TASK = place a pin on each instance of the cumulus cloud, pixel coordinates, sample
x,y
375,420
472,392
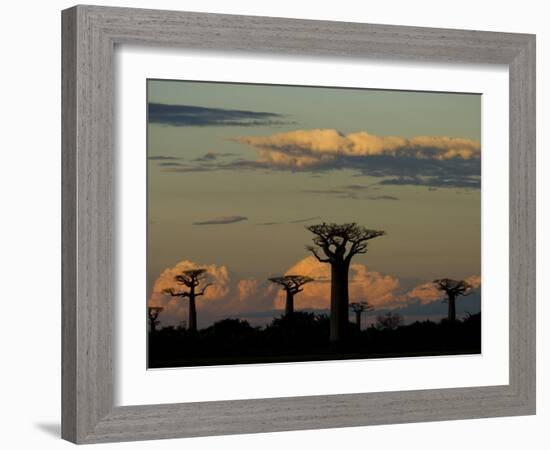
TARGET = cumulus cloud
x,y
217,275
474,280
441,161
227,296
378,289
247,288
427,292
303,148
259,300
223,220
174,306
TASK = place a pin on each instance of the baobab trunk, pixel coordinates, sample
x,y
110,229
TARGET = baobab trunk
x,y
358,320
452,309
289,305
192,311
339,300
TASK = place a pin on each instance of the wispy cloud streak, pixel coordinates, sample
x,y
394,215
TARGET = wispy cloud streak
x,y
198,116
162,158
223,220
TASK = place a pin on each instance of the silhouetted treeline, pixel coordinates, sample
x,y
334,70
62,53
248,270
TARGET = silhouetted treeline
x,y
305,336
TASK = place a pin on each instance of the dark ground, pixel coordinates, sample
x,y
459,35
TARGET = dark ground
x,y
305,337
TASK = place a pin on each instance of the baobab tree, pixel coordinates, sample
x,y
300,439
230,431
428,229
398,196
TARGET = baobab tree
x,y
292,285
339,244
153,314
453,289
190,279
358,308
389,321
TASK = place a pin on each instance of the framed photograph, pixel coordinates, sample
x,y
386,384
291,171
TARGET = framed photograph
x,y
304,209
255,223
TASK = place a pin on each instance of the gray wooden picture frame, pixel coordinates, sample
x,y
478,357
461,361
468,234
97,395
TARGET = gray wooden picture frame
x,y
90,34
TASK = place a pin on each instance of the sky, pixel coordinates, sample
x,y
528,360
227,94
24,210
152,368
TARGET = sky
x,y
237,171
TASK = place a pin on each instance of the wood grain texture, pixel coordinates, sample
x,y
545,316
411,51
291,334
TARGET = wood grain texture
x,y
89,37
68,226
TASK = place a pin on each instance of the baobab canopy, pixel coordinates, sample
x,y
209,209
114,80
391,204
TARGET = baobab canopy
x,y
292,282
190,277
335,240
456,287
292,285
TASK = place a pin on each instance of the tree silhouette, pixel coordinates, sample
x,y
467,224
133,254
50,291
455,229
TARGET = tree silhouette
x,y
358,308
292,285
389,321
190,279
453,289
339,243
153,313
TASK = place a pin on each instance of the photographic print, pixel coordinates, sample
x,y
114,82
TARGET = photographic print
x,y
298,223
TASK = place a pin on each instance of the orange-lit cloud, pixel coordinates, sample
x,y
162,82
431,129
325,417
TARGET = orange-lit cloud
x,y
232,297
382,291
474,280
177,307
305,148
217,275
226,297
247,288
427,292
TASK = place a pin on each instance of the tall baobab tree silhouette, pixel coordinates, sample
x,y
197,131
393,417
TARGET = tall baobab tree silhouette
x,y
153,314
453,289
190,279
358,308
292,285
339,244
